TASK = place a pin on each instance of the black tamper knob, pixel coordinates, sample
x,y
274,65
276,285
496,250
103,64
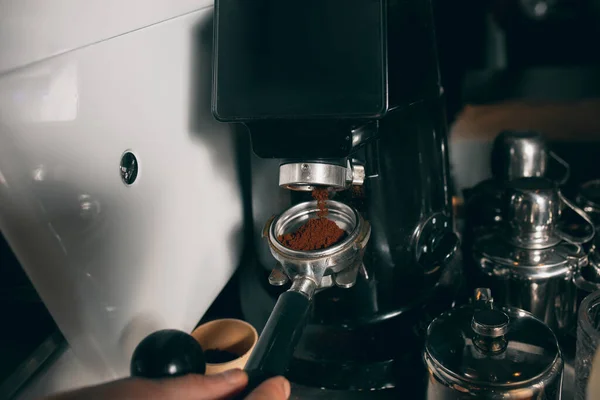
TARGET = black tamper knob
x,y
167,353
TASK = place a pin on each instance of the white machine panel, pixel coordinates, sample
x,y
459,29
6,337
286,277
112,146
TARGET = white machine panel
x,y
32,30
114,262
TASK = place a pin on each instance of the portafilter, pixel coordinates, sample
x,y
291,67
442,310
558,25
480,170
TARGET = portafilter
x,y
308,272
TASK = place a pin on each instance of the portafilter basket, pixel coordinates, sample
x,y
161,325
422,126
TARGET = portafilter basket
x,y
316,264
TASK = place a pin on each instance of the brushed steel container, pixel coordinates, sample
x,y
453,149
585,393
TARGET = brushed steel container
x,y
481,351
532,261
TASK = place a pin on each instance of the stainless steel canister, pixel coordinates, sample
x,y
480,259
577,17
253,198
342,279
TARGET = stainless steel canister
x,y
531,262
515,155
524,154
481,351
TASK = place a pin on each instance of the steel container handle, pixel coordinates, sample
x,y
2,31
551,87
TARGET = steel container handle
x,y
574,239
566,165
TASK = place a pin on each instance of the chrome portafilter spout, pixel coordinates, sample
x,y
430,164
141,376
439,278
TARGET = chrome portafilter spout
x,y
309,271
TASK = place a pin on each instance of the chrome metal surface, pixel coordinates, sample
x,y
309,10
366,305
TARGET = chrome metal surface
x,y
525,154
318,263
515,155
347,278
129,168
358,174
277,278
538,281
532,212
588,235
304,285
533,263
564,164
529,365
307,176
518,155
490,323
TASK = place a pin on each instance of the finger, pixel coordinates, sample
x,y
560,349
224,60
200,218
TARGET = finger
x,y
277,388
206,387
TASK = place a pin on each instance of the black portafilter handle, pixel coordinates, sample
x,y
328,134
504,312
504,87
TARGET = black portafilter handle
x,y
275,347
172,353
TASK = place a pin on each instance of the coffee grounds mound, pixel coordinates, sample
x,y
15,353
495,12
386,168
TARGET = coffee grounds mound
x,y
318,233
216,356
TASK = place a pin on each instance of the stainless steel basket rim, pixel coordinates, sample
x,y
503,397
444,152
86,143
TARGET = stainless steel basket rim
x,y
316,254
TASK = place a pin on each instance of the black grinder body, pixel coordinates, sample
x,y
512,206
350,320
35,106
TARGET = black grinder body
x,y
302,76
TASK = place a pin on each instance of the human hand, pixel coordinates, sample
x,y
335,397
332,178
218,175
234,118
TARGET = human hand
x,y
189,387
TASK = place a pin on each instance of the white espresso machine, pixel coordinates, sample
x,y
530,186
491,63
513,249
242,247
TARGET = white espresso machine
x,y
119,192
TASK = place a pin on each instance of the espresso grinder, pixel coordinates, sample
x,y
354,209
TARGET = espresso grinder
x,y
347,96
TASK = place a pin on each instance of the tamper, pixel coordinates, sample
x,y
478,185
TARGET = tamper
x,y
171,353
167,353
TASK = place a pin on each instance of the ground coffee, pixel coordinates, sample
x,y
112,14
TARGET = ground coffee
x,y
321,196
317,233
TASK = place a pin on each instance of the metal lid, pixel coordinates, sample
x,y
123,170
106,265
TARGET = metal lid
x,y
497,257
527,350
490,323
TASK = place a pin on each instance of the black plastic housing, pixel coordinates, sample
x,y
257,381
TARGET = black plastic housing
x,y
301,74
